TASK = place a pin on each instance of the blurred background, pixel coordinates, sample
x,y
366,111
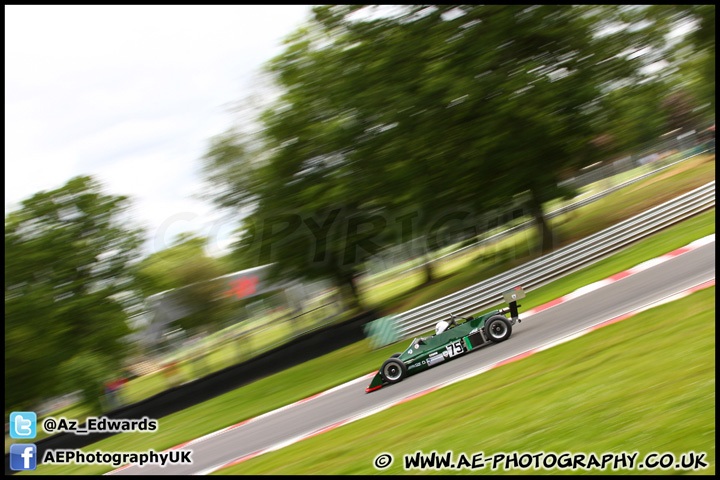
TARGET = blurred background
x,y
400,154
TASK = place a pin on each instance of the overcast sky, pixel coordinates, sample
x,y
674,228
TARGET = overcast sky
x,y
131,95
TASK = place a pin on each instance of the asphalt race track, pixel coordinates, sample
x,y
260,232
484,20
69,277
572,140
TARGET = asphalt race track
x,y
627,294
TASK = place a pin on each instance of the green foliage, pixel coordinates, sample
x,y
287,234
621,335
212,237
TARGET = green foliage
x,y
229,169
416,114
185,267
181,264
66,269
681,111
695,54
358,359
633,116
89,371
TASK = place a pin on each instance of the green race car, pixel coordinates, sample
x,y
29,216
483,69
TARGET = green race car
x,y
451,339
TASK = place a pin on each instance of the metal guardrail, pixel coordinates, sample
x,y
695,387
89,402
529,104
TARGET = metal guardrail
x,y
559,263
555,213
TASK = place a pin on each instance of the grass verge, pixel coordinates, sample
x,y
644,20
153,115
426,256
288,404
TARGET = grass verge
x,y
476,264
484,262
350,362
640,385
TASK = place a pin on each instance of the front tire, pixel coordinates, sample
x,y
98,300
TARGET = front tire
x,y
498,329
393,370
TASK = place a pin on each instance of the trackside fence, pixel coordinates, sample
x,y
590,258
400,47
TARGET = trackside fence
x,y
561,262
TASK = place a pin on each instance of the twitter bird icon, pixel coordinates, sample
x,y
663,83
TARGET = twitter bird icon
x,y
23,425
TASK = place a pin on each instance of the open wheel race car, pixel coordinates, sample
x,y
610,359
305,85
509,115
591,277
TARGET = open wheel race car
x,y
451,339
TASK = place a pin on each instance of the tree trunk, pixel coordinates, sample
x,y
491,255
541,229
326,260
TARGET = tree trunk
x,y
429,277
350,281
345,283
547,240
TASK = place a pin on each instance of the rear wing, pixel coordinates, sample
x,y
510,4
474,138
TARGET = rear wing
x,y
511,297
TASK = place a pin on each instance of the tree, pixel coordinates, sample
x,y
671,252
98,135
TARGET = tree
x,y
468,104
633,116
67,253
417,111
531,80
681,112
186,268
309,202
172,267
694,55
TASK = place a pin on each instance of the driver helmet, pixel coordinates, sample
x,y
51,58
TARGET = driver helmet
x,y
441,326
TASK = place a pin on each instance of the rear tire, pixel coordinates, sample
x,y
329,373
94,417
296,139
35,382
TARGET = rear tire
x,y
395,355
393,370
498,329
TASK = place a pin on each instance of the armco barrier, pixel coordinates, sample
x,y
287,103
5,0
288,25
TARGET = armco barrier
x,y
558,263
560,211
302,349
469,300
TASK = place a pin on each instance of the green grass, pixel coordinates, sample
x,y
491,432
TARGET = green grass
x,y
213,356
350,362
583,192
640,385
636,198
407,291
484,262
240,404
